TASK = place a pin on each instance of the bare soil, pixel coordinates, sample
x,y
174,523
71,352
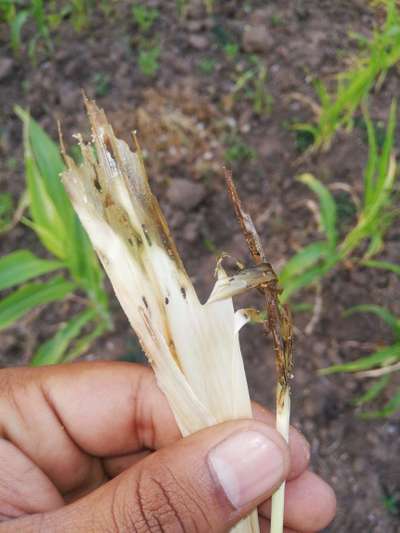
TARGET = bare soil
x,y
187,121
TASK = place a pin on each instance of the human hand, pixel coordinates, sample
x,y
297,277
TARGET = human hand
x,y
94,447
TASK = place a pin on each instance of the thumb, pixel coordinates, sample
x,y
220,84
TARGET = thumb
x,y
205,482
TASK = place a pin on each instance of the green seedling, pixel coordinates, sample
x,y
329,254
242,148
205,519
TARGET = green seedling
x,y
207,65
382,364
277,21
391,500
15,19
80,11
374,216
231,50
45,16
148,60
71,267
252,84
144,17
379,54
237,150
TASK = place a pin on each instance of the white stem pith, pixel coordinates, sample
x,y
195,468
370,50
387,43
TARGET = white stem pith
x,y
282,425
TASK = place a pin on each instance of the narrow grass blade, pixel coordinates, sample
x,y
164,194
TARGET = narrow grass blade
x,y
382,357
373,391
327,206
16,26
303,280
26,298
384,160
21,266
53,350
83,344
303,260
369,173
390,408
391,320
383,265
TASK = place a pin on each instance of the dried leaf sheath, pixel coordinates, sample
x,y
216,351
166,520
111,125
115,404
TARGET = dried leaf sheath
x,y
193,348
279,325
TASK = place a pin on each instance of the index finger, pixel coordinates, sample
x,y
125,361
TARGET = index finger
x,y
63,417
104,408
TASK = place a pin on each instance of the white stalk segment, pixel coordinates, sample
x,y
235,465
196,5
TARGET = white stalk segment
x,y
193,348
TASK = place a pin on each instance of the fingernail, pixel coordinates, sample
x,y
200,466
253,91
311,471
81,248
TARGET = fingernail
x,y
247,466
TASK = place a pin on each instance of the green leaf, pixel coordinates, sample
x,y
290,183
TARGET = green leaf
x,y
301,307
49,241
390,408
22,265
303,260
52,351
26,298
83,344
54,219
15,29
54,230
391,320
327,206
48,159
307,278
387,150
384,265
370,169
373,391
382,357
322,92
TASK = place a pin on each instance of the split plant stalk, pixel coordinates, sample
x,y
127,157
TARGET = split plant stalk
x,y
193,348
279,325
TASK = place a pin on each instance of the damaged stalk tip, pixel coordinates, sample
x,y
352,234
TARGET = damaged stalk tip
x,y
279,324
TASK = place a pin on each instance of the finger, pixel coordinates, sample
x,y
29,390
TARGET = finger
x,y
299,449
310,503
78,411
74,412
298,445
205,482
24,488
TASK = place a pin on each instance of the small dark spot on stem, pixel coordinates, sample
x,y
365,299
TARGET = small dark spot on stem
x,y
96,181
183,291
130,241
146,234
145,302
139,240
166,300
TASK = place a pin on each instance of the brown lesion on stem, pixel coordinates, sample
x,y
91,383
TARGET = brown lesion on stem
x,y
279,320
